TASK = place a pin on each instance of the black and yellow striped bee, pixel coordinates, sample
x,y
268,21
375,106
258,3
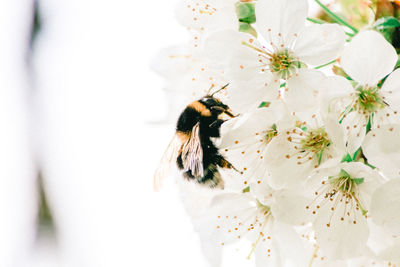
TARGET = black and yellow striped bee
x,y
192,147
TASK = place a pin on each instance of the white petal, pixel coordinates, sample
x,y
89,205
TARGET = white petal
x,y
285,170
222,46
247,95
285,248
225,213
391,89
368,58
391,253
267,251
302,90
334,95
342,239
336,135
382,149
289,207
385,206
355,129
293,249
319,44
284,17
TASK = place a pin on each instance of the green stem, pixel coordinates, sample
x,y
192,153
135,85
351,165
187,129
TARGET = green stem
x,y
326,64
335,17
320,21
317,21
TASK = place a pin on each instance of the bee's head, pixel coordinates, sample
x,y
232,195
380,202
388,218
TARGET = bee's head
x,y
213,104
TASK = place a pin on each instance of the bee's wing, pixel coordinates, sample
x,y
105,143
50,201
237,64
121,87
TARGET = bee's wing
x,y
192,153
167,162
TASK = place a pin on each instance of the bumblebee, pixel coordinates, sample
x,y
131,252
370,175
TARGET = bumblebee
x,y
192,147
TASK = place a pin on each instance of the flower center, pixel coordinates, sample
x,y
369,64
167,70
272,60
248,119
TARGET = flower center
x,y
346,185
284,63
368,100
316,141
339,192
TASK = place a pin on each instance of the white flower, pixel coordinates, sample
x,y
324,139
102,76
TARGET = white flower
x,y
341,200
297,151
238,216
244,141
367,59
285,49
202,17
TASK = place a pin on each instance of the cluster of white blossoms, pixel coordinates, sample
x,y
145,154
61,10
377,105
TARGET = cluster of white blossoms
x,y
316,151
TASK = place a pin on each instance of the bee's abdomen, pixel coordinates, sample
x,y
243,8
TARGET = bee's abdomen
x,y
211,177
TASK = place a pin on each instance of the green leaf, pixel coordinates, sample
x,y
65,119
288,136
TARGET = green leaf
x,y
347,158
355,155
246,190
387,26
246,12
386,23
303,128
398,63
368,128
357,180
344,174
247,28
264,104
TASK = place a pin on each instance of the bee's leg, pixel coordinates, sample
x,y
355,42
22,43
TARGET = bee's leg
x,y
226,111
223,163
216,124
218,108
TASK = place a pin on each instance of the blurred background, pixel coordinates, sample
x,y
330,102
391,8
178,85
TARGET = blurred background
x,y
77,144
80,136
